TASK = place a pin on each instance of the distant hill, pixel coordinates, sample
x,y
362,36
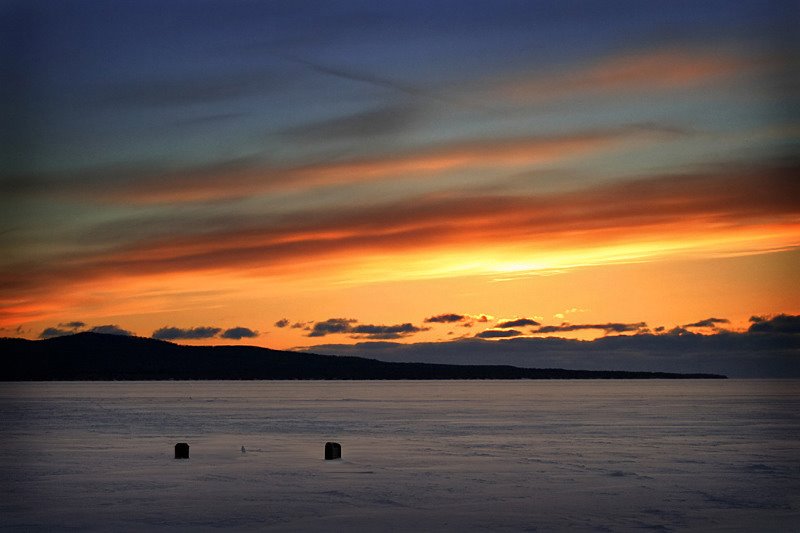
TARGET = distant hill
x,y
95,356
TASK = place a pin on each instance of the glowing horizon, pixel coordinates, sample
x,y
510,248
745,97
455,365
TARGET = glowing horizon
x,y
387,171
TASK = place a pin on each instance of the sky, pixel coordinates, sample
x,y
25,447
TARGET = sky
x,y
406,176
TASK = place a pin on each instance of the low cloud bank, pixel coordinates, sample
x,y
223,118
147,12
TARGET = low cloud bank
x,y
769,349
787,324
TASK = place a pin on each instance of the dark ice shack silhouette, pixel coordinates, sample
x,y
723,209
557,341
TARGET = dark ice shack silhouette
x,y
333,450
181,450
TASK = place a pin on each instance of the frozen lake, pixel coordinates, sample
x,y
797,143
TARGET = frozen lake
x,y
433,456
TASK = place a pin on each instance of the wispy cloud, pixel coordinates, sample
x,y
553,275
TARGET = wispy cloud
x,y
611,327
640,206
386,120
707,323
628,72
244,177
748,210
361,76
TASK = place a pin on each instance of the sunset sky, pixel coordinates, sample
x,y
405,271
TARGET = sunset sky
x,y
301,174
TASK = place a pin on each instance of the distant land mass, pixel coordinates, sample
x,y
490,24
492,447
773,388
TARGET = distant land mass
x,y
102,357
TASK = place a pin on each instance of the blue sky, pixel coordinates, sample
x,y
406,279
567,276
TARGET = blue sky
x,y
187,83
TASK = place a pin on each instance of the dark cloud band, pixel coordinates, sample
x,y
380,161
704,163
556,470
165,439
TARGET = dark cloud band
x,y
498,334
611,327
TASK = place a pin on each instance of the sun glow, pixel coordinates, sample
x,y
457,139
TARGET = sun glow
x,y
543,258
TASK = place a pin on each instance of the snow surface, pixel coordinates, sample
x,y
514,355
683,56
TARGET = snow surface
x,y
417,456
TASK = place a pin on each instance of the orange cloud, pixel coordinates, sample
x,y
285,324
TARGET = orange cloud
x,y
246,178
747,211
644,71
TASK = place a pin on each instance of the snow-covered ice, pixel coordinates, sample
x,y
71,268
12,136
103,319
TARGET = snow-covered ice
x,y
431,456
